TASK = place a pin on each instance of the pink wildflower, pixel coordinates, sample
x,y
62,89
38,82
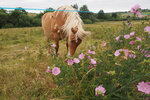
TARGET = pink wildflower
x,y
48,70
139,14
138,47
127,36
132,42
53,45
90,67
93,61
135,9
138,38
147,29
89,57
132,56
66,60
117,53
144,87
56,71
70,62
76,60
132,33
99,62
147,55
22,58
117,38
81,56
104,45
89,52
50,50
108,72
100,90
94,65
93,52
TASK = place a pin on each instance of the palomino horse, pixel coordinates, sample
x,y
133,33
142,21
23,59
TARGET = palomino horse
x,y
64,24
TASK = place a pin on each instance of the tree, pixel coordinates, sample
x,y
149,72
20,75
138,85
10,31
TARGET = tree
x,y
41,14
114,15
75,6
14,16
84,12
4,18
101,14
49,10
2,10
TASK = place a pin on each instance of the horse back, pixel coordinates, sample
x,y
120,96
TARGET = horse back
x,y
48,23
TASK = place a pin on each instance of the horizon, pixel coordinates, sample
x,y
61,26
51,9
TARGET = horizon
x,y
93,5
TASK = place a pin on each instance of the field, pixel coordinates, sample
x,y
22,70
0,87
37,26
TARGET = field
x,y
24,59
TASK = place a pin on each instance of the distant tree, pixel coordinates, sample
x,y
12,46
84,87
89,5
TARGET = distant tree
x,y
114,15
24,21
49,10
75,6
3,18
85,15
41,14
2,10
87,21
101,14
18,18
93,17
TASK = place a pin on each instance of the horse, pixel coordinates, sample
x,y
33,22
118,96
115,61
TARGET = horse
x,y
64,23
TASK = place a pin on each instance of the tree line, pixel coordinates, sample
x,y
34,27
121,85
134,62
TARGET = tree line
x,y
21,18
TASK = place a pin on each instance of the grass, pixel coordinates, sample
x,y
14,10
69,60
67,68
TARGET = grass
x,y
27,79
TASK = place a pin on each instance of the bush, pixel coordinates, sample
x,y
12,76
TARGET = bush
x,y
87,21
8,25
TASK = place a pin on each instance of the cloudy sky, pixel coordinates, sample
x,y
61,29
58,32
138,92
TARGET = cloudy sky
x,y
93,5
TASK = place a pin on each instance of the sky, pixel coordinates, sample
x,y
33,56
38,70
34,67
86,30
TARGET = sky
x,y
93,5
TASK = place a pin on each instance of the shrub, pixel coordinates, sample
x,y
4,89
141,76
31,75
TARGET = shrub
x,y
87,21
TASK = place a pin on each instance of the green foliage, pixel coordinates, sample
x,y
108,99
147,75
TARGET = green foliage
x,y
87,21
75,6
114,15
18,18
101,14
84,15
3,17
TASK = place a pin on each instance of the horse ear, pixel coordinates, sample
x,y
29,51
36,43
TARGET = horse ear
x,y
74,30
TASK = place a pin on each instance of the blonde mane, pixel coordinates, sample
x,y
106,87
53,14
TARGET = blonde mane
x,y
73,21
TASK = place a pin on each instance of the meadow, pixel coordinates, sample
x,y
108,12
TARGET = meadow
x,y
24,60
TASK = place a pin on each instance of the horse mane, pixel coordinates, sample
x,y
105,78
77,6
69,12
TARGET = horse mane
x,y
73,20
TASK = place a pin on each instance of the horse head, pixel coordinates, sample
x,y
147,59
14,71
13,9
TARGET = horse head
x,y
74,41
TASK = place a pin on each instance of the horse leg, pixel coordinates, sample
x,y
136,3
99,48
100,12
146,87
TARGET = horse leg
x,y
67,45
56,40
